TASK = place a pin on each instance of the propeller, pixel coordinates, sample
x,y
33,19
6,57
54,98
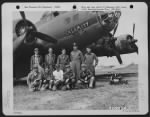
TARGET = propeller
x,y
114,50
18,41
133,29
43,37
24,19
115,29
134,40
34,33
23,15
117,54
131,38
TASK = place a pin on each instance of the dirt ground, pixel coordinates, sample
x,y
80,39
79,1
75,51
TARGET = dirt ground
x,y
102,97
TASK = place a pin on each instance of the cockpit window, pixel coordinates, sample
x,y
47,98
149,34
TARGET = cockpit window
x,y
111,14
104,16
107,18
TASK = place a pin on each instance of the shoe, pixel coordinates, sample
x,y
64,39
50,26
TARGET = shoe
x,y
68,87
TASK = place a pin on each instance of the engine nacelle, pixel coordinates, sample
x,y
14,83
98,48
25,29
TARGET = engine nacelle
x,y
126,44
25,27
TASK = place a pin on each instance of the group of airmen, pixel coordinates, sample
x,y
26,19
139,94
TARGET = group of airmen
x,y
66,74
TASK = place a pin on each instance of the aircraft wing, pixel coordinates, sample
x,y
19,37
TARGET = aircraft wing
x,y
44,37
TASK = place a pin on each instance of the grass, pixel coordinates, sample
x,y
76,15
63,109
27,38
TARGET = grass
x,y
102,97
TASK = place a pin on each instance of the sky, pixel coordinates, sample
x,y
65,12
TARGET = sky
x,y
128,17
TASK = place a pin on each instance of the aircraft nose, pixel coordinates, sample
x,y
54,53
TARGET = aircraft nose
x,y
134,40
109,19
117,14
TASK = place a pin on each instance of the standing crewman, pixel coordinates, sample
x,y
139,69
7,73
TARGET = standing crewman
x,y
37,60
63,59
89,58
76,57
50,61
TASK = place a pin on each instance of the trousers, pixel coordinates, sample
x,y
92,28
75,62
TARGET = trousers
x,y
76,67
91,67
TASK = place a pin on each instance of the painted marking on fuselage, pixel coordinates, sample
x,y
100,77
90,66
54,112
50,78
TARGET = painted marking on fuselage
x,y
81,26
77,28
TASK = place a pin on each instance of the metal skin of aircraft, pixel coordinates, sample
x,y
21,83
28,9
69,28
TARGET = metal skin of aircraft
x,y
61,30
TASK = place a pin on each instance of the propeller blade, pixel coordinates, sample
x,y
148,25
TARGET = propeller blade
x,y
117,55
137,51
24,18
43,37
18,42
135,48
115,29
23,15
133,30
134,41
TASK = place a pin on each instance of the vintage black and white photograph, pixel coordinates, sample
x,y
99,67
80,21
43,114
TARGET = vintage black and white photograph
x,y
78,59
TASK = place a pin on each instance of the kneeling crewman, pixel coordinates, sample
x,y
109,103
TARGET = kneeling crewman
x,y
86,77
69,78
46,79
34,79
57,80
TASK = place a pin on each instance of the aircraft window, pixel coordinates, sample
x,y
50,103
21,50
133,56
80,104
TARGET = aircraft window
x,y
76,17
104,16
107,17
67,20
110,14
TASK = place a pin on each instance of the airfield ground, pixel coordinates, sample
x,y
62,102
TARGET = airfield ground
x,y
102,97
